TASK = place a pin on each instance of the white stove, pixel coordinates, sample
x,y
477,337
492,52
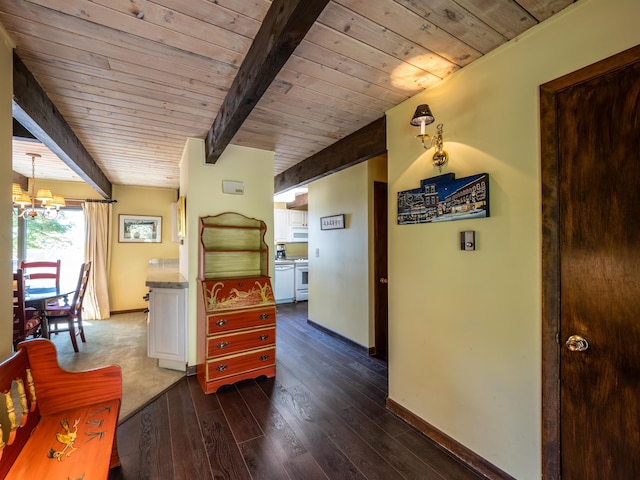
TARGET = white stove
x,y
302,279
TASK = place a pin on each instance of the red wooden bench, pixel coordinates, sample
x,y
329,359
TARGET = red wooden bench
x,y
56,424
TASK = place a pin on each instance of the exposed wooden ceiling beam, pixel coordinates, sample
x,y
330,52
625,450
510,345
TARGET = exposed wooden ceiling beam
x,y
33,109
22,133
284,26
301,200
364,144
20,180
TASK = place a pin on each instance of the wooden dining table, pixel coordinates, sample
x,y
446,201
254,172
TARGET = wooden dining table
x,y
40,299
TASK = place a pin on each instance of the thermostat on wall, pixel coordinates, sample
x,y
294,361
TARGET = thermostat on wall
x,y
468,240
234,188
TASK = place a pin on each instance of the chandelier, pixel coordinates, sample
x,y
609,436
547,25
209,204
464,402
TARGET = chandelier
x,y
50,203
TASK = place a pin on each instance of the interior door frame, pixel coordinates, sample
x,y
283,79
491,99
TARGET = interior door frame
x,y
551,451
381,294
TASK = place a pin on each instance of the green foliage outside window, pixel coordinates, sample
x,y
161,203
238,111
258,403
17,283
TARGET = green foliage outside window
x,y
48,234
44,233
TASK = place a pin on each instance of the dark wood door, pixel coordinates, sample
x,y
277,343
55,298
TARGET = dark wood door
x,y
599,252
381,309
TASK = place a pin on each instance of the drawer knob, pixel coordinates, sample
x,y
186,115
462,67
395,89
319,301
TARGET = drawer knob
x,y
264,316
222,344
222,322
263,337
222,368
264,358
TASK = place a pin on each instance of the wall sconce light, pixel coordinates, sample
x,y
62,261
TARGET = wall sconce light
x,y
422,118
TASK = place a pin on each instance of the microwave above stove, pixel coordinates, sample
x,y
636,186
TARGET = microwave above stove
x,y
298,234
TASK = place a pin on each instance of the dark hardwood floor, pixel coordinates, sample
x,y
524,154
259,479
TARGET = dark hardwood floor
x,y
322,417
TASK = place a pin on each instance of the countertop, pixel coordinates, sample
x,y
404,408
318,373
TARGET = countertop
x,y
164,273
289,260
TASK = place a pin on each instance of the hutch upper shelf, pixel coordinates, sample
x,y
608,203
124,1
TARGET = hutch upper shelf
x,y
232,246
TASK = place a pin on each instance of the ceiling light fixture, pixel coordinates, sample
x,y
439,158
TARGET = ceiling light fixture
x,y
423,117
51,204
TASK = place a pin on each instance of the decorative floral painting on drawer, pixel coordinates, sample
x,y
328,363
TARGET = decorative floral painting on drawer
x,y
235,294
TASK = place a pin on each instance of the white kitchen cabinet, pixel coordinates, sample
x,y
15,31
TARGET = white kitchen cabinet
x,y
297,218
167,329
280,225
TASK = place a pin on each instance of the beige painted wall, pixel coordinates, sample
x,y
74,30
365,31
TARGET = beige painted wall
x,y
343,271
339,276
129,261
202,185
297,249
69,190
6,128
465,326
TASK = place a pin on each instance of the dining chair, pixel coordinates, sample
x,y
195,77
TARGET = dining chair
x,y
26,321
68,318
42,276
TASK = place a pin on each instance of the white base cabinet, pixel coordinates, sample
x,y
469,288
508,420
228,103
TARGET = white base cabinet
x,y
167,327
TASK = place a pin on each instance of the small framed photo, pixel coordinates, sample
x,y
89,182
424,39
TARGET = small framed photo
x,y
333,222
140,229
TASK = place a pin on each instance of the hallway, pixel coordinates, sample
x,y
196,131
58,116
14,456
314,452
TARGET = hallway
x,y
322,417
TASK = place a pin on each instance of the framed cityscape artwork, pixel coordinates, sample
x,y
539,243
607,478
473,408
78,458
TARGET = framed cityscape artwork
x,y
445,198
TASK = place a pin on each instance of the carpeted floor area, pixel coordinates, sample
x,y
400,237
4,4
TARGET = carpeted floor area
x,y
120,340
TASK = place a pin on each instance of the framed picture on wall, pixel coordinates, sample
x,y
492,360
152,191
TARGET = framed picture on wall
x,y
333,222
140,229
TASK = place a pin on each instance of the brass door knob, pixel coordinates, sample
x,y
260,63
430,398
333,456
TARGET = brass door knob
x,y
576,343
384,280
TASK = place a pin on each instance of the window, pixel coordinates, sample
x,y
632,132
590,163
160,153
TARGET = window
x,y
51,239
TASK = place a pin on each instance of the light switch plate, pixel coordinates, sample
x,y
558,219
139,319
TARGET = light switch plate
x,y
468,240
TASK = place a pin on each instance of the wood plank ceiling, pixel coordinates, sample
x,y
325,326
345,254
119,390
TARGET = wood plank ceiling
x,y
134,78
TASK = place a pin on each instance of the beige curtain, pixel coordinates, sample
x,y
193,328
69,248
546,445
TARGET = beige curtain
x,y
97,228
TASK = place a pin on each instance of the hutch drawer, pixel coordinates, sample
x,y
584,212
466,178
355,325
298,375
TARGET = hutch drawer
x,y
239,320
222,345
240,363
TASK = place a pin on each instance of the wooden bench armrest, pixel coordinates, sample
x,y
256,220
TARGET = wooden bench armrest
x,y
58,390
